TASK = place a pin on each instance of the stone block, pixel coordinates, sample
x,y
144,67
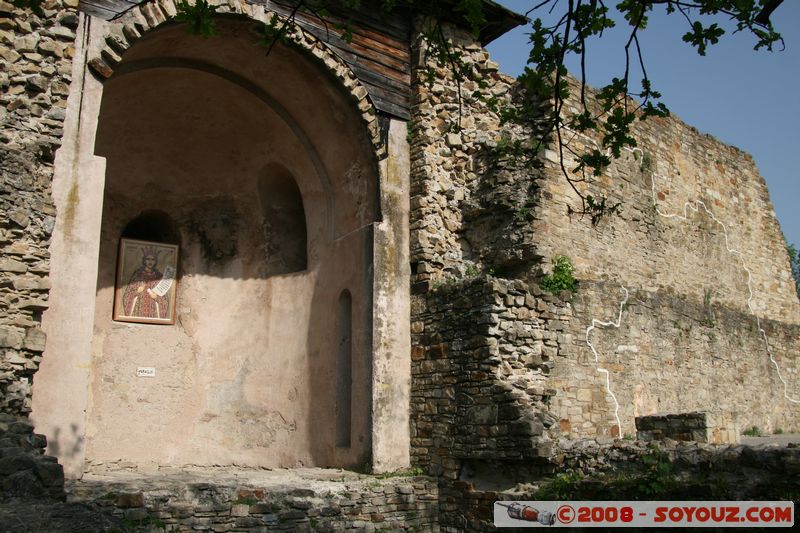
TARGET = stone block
x,y
49,473
31,283
482,414
22,483
240,509
63,33
262,508
527,427
26,43
70,20
127,500
8,264
291,515
35,340
101,68
299,503
584,395
16,463
136,514
11,337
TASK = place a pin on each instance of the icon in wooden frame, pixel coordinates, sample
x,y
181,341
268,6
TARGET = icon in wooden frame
x,y
146,285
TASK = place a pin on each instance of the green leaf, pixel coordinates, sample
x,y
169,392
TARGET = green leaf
x,y
198,17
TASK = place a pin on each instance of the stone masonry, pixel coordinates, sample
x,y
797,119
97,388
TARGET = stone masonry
x,y
709,323
34,82
25,471
309,500
481,354
685,299
449,148
230,499
671,354
696,245
711,309
683,426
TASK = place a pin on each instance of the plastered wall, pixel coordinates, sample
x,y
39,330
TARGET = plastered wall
x,y
247,375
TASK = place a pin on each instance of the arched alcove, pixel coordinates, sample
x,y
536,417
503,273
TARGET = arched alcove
x,y
344,369
147,269
284,221
152,225
204,146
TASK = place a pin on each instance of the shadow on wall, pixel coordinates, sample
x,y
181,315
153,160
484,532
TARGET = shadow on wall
x,y
75,449
284,221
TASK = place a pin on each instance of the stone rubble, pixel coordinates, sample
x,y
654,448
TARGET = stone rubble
x,y
25,470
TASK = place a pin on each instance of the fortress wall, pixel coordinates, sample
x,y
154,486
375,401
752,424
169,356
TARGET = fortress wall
x,y
674,168
689,338
35,76
482,349
447,144
671,354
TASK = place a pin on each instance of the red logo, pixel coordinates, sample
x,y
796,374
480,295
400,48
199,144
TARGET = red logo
x,y
566,514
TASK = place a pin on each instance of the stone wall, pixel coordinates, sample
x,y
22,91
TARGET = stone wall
x,y
593,469
303,501
482,350
672,353
695,219
25,471
35,76
451,148
697,426
711,320
696,244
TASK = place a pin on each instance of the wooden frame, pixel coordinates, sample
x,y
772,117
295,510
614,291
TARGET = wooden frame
x,y
146,286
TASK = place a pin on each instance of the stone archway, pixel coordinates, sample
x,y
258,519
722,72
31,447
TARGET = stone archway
x,y
249,369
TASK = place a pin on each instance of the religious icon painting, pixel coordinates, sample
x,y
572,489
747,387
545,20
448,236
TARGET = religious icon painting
x,y
146,282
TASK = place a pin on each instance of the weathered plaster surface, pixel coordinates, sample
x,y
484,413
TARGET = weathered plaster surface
x,y
391,382
61,385
247,374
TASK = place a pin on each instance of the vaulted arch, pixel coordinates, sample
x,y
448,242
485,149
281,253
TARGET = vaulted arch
x,y
269,169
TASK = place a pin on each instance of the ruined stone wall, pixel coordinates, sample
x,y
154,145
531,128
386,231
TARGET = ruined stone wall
x,y
593,469
482,350
452,144
696,244
729,228
25,471
672,354
35,76
304,502
698,247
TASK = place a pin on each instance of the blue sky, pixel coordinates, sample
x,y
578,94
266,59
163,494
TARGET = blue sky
x,y
745,98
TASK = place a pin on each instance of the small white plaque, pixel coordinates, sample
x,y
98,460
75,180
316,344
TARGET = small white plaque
x,y
146,372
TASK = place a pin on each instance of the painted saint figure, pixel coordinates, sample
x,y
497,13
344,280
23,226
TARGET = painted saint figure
x,y
141,299
144,292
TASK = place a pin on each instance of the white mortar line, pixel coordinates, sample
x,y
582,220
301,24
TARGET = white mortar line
x,y
600,369
695,206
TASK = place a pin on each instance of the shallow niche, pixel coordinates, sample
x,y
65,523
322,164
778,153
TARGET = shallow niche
x,y
147,270
284,221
